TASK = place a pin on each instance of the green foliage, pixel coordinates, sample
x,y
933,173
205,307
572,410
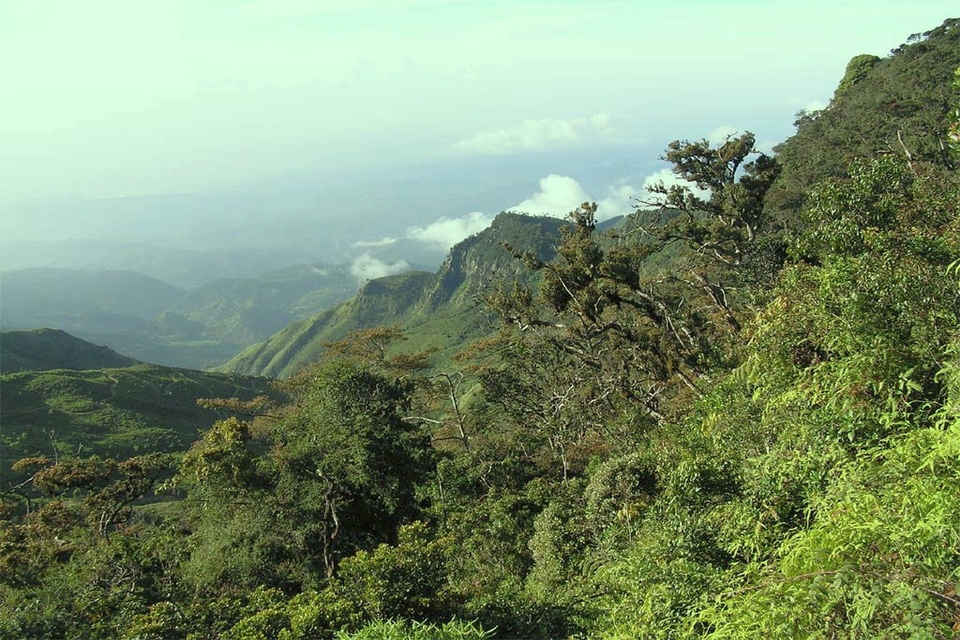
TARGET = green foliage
x,y
864,330
619,492
895,106
696,426
857,70
406,581
954,133
397,630
879,562
559,545
339,468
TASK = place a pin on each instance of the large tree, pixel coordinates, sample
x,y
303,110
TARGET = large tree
x,y
337,469
627,325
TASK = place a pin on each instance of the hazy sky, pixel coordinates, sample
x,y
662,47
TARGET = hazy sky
x,y
119,97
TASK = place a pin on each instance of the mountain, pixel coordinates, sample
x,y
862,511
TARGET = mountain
x,y
45,349
895,105
155,322
244,311
183,268
438,310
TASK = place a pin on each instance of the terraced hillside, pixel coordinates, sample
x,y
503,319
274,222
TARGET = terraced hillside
x,y
110,412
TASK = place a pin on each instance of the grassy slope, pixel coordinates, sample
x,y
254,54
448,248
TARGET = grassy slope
x,y
115,412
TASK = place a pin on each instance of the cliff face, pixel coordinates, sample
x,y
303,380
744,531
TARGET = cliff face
x,y
482,260
439,308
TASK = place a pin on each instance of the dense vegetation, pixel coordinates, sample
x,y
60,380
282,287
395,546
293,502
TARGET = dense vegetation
x,y
736,416
118,412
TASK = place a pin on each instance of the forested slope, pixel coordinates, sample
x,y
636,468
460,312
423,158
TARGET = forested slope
x,y
119,412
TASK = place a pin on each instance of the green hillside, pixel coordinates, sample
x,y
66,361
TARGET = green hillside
x,y
439,310
883,106
43,349
114,412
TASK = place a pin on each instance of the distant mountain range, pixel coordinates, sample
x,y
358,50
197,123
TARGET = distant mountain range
x,y
294,310
153,321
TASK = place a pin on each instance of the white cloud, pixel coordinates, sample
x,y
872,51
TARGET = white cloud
x,y
366,267
668,178
387,240
558,196
620,201
535,135
447,232
814,105
720,135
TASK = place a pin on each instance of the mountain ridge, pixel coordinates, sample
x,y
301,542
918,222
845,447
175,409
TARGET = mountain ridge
x,y
438,310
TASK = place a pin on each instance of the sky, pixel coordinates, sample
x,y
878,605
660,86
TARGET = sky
x,y
110,98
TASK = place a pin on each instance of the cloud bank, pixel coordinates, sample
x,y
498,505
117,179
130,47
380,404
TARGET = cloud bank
x,y
447,232
668,178
558,196
535,135
383,242
366,267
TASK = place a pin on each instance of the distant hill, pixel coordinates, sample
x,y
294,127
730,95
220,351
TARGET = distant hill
x,y
45,297
179,267
44,349
156,322
436,310
244,311
116,412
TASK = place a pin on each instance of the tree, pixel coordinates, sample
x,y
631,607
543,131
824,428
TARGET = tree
x,y
348,462
338,467
626,326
